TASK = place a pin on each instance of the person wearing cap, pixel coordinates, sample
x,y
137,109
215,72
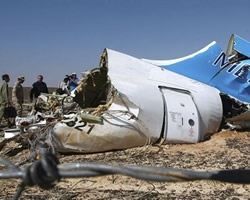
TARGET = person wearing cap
x,y
73,82
17,95
4,98
38,88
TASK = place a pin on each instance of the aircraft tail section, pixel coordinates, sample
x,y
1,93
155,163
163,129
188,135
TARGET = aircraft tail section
x,y
199,66
237,46
228,72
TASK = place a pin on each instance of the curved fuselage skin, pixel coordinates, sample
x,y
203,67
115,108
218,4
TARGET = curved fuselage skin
x,y
151,103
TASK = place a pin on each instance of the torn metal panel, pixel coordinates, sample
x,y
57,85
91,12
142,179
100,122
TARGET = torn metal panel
x,y
11,133
120,129
198,66
210,109
129,76
233,109
230,74
138,108
93,89
238,45
125,103
128,102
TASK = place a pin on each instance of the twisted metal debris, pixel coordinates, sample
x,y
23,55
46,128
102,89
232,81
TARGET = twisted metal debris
x,y
47,171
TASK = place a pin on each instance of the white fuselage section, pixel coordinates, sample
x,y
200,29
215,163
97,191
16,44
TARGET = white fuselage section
x,y
151,103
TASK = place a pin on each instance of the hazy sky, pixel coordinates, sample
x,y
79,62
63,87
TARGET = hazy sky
x,y
58,37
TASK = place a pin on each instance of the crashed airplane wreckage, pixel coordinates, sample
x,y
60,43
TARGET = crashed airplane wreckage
x,y
135,103
129,102
228,72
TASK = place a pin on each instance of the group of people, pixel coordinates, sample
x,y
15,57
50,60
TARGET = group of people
x,y
66,86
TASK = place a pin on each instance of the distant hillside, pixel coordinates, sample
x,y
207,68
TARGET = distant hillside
x,y
27,93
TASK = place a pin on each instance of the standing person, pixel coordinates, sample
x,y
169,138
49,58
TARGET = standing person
x,y
17,95
4,99
38,88
63,86
73,82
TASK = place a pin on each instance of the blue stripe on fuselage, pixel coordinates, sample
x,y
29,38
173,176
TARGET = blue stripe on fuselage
x,y
234,80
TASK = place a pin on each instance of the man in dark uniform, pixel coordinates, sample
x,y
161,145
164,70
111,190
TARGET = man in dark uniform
x,y
38,88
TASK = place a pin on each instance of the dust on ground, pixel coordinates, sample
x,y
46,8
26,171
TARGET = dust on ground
x,y
225,150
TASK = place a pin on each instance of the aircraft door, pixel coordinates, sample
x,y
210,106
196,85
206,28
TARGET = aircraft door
x,y
181,116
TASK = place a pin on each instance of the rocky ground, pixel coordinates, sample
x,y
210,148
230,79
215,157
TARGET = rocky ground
x,y
225,150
